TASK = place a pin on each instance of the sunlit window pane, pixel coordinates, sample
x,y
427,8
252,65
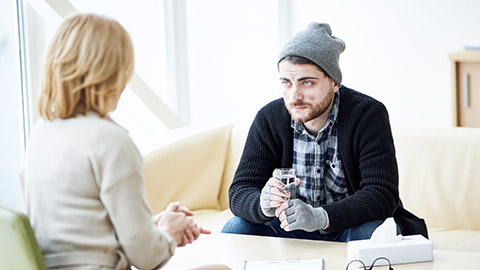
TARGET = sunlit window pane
x,y
143,126
11,138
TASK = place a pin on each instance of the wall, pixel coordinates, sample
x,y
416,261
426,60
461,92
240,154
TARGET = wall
x,y
232,52
397,51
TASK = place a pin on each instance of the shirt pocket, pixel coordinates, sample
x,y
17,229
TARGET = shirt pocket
x,y
335,176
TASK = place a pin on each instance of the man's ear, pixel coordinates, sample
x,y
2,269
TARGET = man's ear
x,y
335,86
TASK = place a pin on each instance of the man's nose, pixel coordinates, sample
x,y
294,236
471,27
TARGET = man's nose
x,y
296,93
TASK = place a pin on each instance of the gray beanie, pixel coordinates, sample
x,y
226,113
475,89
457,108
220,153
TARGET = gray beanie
x,y
317,44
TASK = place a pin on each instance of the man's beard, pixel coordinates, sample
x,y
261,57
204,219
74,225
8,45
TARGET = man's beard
x,y
315,110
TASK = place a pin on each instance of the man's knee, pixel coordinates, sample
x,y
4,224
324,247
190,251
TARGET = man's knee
x,y
239,225
234,225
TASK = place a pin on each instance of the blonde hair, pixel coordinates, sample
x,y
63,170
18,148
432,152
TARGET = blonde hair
x,y
87,65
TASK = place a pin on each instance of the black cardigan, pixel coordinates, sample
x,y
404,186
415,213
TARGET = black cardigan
x,y
366,149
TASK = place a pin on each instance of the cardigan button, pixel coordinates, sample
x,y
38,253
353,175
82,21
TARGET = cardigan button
x,y
318,170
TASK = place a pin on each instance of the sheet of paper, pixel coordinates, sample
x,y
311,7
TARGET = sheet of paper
x,y
316,264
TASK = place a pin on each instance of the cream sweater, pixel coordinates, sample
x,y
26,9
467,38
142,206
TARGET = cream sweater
x,y
85,196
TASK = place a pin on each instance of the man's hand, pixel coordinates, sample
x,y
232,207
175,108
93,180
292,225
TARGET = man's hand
x,y
272,196
302,216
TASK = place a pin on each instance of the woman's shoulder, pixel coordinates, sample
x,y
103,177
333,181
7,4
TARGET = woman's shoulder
x,y
87,130
102,125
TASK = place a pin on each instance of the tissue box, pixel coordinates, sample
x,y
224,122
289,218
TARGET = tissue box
x,y
413,248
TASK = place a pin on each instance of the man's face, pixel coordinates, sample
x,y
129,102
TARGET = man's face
x,y
307,91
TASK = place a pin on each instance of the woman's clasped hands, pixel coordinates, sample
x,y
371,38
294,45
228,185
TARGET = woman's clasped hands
x,y
177,222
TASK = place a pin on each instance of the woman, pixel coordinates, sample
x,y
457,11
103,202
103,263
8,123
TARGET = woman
x,y
82,179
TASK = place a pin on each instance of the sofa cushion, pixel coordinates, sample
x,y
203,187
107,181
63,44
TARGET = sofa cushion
x,y
212,219
461,240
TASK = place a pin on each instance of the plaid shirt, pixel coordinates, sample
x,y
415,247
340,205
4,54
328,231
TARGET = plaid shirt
x,y
318,163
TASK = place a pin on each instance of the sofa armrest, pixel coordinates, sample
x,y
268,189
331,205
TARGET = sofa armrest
x,y
235,150
188,170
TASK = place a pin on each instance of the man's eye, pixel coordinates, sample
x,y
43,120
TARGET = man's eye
x,y
307,83
285,83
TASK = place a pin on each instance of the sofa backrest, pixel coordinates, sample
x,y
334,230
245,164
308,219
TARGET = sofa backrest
x,y
439,170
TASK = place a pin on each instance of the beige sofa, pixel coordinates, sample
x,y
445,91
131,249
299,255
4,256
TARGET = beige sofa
x,y
439,172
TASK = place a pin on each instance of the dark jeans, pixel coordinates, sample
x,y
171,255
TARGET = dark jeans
x,y
241,226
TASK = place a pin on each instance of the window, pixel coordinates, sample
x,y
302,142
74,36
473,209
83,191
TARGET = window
x,y
145,22
12,140
197,63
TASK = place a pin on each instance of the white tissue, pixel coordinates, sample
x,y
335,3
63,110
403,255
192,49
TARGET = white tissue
x,y
386,232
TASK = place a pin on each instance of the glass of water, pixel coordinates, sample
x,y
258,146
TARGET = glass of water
x,y
286,176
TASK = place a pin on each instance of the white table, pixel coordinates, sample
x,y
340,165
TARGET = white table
x,y
233,249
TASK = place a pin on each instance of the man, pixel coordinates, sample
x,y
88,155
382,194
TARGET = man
x,y
338,140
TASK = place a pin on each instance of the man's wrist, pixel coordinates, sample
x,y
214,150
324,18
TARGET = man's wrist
x,y
324,217
268,212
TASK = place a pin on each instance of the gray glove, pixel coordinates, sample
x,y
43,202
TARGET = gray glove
x,y
265,201
302,216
